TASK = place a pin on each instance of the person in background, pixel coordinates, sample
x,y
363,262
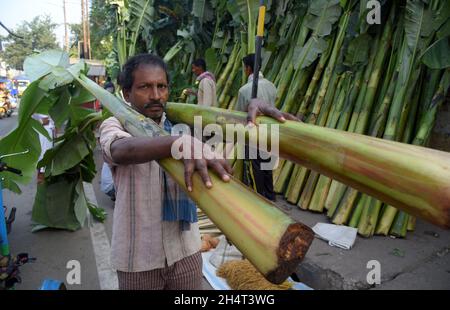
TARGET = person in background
x,y
5,95
260,180
107,182
46,144
109,85
206,94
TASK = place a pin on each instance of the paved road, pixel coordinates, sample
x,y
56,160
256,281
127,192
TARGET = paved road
x,y
7,124
53,249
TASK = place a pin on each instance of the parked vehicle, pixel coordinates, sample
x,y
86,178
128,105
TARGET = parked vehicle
x,y
5,99
5,111
21,83
9,264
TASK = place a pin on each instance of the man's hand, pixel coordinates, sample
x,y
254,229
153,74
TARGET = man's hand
x,y
45,121
205,158
258,107
190,92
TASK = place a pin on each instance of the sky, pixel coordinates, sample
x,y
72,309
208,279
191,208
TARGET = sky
x,y
13,12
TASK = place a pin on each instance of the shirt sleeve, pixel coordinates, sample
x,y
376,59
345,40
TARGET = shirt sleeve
x,y
110,131
274,96
242,103
208,92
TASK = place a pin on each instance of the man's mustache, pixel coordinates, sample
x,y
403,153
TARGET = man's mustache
x,y
157,104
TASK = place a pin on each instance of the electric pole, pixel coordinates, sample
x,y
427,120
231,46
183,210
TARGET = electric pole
x,y
88,27
83,22
66,34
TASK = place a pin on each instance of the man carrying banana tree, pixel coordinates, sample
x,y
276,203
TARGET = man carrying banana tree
x,y
156,241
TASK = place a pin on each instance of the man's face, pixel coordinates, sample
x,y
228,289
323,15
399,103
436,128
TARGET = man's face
x,y
150,91
197,70
248,71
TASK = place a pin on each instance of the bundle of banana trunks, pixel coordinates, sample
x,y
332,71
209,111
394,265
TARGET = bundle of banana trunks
x,y
386,81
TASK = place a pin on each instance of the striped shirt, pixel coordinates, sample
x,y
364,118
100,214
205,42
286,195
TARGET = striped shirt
x,y
141,241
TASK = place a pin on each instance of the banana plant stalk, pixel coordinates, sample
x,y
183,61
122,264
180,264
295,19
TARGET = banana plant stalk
x,y
268,238
414,179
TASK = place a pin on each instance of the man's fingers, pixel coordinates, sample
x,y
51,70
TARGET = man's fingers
x,y
291,117
251,114
202,169
275,113
228,167
188,172
220,170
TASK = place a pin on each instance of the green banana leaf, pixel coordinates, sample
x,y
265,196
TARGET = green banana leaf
x,y
437,56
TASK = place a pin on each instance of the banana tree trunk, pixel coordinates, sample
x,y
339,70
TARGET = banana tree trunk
x,y
411,178
268,238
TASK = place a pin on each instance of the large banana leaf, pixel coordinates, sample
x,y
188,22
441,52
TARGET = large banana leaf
x,y
321,17
55,204
44,63
437,56
198,9
417,25
305,55
358,51
54,93
418,34
246,12
142,15
24,137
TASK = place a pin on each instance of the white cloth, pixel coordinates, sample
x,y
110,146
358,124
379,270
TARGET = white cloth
x,y
218,283
224,252
339,236
50,127
106,182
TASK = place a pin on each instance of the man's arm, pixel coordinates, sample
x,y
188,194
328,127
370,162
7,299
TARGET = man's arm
x,y
241,104
128,151
131,151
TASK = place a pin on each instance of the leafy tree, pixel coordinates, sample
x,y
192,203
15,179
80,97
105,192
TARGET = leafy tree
x,y
36,36
76,35
102,26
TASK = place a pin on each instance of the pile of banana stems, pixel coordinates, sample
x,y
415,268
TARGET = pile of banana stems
x,y
334,72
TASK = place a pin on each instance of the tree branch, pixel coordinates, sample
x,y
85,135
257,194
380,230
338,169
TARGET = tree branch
x,y
9,31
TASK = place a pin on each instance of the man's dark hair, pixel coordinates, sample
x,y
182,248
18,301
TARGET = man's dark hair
x,y
200,63
249,61
126,76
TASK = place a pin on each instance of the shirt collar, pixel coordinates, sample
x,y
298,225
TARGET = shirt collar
x,y
250,78
163,119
